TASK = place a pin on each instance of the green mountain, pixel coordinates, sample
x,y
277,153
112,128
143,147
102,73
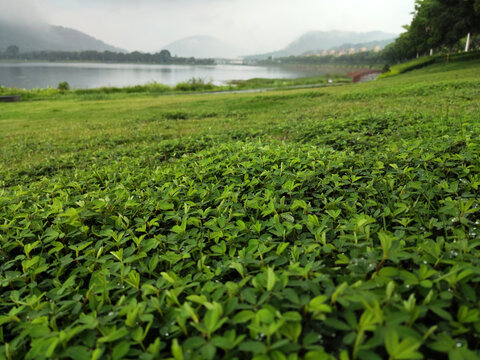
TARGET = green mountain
x,y
326,40
203,47
41,37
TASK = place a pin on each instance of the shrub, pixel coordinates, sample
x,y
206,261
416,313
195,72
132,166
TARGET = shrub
x,y
63,86
195,84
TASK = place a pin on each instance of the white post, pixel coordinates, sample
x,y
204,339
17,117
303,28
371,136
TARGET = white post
x,y
467,46
431,52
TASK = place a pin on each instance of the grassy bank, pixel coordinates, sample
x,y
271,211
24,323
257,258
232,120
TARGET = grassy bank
x,y
330,223
194,85
442,59
259,83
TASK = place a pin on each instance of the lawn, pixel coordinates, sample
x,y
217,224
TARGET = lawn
x,y
323,223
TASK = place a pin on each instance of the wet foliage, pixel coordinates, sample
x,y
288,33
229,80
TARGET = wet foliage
x,y
336,223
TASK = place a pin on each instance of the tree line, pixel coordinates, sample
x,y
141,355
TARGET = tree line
x,y
437,26
361,58
162,57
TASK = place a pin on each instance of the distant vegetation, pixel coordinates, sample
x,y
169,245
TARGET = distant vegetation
x,y
163,57
367,58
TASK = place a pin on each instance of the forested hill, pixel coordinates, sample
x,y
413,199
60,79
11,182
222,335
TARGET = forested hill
x,y
43,37
326,40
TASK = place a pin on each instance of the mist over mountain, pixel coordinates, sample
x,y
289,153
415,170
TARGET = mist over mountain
x,y
43,37
326,40
203,47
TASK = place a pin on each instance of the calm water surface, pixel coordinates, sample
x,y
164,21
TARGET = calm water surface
x,y
88,75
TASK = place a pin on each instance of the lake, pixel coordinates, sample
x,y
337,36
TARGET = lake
x,y
94,75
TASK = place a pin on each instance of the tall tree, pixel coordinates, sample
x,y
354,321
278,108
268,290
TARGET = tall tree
x,y
12,52
436,24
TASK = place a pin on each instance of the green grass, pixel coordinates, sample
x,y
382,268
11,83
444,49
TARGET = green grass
x,y
193,85
459,59
330,223
409,66
279,83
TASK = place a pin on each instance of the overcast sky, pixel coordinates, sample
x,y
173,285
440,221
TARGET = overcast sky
x,y
253,25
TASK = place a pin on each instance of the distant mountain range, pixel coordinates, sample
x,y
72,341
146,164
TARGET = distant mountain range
x,y
203,47
325,40
311,42
41,37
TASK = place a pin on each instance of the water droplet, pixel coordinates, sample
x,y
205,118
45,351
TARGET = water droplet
x,y
260,336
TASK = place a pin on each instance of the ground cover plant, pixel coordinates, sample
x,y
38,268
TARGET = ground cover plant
x,y
330,223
